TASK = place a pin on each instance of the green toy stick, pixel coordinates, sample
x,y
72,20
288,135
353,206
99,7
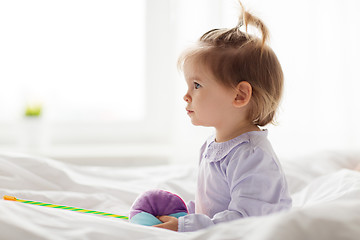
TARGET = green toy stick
x,y
11,198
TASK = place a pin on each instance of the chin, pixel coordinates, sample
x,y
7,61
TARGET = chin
x,y
198,123
195,123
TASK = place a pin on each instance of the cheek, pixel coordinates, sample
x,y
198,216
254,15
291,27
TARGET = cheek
x,y
212,102
214,107
219,102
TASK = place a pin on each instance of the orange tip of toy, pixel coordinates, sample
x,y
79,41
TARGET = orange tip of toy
x,y
10,198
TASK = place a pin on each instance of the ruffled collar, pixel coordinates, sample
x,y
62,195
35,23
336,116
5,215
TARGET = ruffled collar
x,y
215,151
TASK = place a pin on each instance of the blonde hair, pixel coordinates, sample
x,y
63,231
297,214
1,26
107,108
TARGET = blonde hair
x,y
233,56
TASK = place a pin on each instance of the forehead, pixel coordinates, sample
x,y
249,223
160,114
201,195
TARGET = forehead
x,y
194,69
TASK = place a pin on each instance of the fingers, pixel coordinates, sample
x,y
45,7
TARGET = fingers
x,y
162,225
165,219
170,223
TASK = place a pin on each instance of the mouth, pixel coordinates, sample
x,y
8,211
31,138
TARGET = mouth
x,y
189,111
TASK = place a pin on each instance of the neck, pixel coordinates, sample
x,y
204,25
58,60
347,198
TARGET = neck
x,y
226,134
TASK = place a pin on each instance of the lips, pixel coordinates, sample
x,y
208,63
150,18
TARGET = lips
x,y
189,111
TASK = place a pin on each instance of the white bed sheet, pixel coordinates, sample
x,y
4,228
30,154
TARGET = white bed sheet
x,y
326,195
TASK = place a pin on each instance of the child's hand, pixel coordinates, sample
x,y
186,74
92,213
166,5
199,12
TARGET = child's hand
x,y
170,223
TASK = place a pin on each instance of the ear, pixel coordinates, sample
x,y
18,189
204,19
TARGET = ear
x,y
243,94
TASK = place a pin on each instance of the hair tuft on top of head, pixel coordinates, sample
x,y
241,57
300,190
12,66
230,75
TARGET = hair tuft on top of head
x,y
234,37
246,19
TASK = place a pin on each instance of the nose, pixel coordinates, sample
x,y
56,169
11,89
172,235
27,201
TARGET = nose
x,y
187,98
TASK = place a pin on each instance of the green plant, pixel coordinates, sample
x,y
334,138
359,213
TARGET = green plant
x,y
33,110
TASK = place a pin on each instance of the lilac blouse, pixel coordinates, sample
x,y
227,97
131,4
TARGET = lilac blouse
x,y
238,178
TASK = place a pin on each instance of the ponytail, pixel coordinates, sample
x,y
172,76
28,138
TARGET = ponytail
x,y
234,37
246,19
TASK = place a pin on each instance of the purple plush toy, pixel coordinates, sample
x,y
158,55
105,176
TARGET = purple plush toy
x,y
155,203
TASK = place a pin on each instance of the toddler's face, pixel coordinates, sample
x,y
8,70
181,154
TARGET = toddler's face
x,y
208,102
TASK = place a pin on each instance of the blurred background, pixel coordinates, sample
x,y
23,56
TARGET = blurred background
x,y
96,82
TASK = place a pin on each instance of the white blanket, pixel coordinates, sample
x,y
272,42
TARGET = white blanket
x,y
326,195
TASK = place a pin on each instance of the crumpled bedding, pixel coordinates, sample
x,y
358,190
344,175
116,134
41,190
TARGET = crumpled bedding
x,y
325,191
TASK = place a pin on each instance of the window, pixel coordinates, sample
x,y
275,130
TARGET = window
x,y
92,66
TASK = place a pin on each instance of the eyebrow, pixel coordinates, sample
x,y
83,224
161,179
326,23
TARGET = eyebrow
x,y
195,79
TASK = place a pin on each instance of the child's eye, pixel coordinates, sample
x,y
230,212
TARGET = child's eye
x,y
196,85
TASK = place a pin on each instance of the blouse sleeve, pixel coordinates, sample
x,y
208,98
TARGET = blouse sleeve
x,y
257,185
191,207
